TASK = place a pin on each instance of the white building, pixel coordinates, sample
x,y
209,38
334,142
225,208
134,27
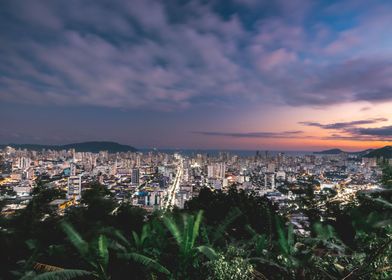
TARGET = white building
x,y
74,187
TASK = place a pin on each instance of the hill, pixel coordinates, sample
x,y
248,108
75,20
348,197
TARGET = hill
x,y
339,151
362,153
330,152
385,152
93,147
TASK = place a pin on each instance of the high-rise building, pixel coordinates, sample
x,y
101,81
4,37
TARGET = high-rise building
x,y
24,163
216,170
138,161
222,170
73,169
271,167
135,176
210,171
269,180
74,187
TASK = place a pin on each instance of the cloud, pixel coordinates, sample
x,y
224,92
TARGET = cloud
x,y
163,55
344,125
353,131
357,138
375,131
284,134
277,58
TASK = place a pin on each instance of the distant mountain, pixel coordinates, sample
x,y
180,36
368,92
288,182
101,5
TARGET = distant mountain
x,y
93,147
339,151
385,152
362,153
330,152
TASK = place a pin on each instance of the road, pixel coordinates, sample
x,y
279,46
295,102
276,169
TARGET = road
x,y
170,197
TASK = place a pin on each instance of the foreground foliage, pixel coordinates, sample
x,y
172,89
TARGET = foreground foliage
x,y
233,236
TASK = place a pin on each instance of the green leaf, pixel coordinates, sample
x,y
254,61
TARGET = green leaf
x,y
146,261
76,240
208,252
282,240
145,233
196,227
172,226
188,232
103,252
29,275
136,239
290,237
121,238
383,203
222,227
31,244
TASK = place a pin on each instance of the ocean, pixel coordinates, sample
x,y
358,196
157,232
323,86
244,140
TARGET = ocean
x,y
215,152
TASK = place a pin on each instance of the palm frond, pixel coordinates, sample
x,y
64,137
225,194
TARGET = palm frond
x,y
46,267
189,221
146,231
196,227
204,234
103,252
324,232
29,275
76,240
31,244
174,230
282,240
250,230
136,239
146,261
383,203
116,234
290,237
65,274
222,227
383,223
208,252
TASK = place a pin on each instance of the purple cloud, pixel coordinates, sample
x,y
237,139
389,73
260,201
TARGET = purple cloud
x,y
375,131
284,134
344,125
145,54
353,131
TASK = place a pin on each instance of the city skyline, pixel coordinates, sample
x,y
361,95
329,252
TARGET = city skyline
x,y
254,75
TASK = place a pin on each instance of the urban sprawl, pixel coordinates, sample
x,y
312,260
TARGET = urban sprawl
x,y
156,180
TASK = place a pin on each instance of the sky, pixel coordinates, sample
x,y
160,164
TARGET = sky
x,y
220,74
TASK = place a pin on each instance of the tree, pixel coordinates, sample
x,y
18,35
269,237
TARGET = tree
x,y
135,252
217,205
387,176
95,253
230,266
185,235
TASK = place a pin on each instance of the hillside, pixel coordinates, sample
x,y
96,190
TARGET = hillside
x,y
339,151
330,152
385,152
93,146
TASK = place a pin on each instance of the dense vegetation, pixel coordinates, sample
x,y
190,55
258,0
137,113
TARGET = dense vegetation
x,y
387,176
233,235
384,152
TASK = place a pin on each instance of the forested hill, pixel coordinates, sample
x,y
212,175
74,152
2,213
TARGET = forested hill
x,y
385,152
